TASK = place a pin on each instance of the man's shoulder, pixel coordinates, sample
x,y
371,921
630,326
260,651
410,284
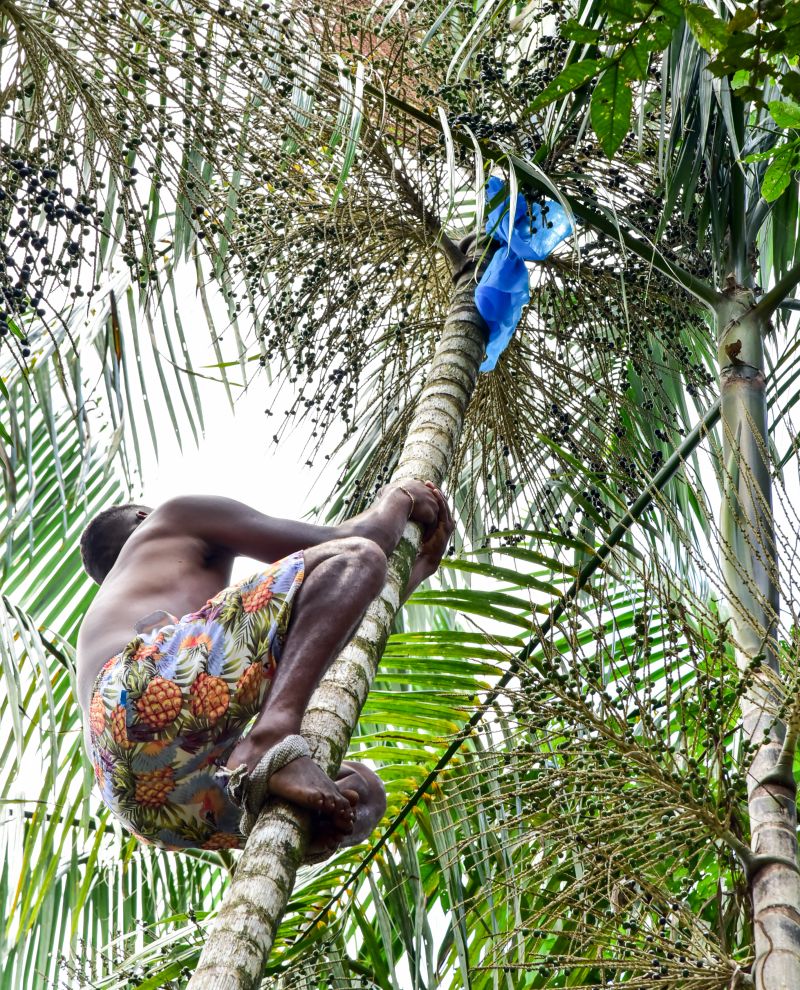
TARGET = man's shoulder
x,y
178,519
207,517
177,504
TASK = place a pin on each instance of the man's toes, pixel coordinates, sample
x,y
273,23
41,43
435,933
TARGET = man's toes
x,y
336,805
343,803
352,797
343,820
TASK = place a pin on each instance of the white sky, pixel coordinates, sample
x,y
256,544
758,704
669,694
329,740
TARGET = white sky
x,y
237,458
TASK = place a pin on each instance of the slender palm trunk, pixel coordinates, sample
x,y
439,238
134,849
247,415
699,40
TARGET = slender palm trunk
x,y
751,574
244,930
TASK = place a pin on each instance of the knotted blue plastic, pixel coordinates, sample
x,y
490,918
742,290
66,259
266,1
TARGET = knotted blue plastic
x,y
504,290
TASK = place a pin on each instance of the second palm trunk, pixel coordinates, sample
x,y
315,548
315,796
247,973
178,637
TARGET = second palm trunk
x,y
750,567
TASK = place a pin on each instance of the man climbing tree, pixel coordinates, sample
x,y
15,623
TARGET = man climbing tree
x,y
167,698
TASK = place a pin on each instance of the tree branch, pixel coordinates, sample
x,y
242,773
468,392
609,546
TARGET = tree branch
x,y
771,300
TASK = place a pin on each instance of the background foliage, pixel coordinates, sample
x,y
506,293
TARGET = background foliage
x,y
306,167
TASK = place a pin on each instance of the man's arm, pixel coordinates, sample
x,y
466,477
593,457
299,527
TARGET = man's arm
x,y
229,526
226,525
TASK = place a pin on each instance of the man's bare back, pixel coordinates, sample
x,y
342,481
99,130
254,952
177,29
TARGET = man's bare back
x,y
180,555
163,566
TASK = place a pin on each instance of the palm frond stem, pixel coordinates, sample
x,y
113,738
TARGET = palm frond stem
x,y
771,300
454,257
759,213
645,250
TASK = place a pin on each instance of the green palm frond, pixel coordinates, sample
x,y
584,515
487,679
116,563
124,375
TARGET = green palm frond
x,y
99,372
314,189
329,169
60,470
361,322
547,848
116,148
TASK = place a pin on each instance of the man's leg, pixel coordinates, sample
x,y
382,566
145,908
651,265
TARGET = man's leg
x,y
341,578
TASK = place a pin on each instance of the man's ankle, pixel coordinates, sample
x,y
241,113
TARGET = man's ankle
x,y
276,728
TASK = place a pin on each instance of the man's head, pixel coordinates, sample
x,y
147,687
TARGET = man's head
x,y
105,536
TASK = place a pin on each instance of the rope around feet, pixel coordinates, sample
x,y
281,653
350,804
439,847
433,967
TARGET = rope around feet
x,y
249,790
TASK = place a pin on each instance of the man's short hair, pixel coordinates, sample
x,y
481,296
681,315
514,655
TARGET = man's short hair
x,y
105,536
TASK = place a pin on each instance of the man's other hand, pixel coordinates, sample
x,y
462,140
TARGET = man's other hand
x,y
425,510
435,542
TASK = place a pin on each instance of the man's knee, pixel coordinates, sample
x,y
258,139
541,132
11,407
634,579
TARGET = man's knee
x,y
370,559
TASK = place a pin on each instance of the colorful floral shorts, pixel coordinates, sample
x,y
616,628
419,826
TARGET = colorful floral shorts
x,y
166,712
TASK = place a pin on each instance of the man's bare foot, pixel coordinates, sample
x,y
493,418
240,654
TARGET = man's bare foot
x,y
366,793
326,836
302,782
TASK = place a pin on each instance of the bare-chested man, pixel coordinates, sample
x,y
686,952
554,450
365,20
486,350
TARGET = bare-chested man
x,y
168,684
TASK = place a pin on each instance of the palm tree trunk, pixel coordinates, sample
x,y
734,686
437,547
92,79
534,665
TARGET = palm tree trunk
x,y
750,568
244,930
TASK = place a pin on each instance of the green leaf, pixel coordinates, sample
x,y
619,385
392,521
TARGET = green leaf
x,y
661,35
672,11
740,79
577,32
742,20
785,113
761,156
622,11
567,81
779,174
635,61
707,28
611,109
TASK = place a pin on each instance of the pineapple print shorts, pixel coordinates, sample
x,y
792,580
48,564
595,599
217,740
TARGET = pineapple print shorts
x,y
166,712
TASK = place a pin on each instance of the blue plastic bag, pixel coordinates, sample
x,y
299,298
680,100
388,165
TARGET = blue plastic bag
x,y
504,290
